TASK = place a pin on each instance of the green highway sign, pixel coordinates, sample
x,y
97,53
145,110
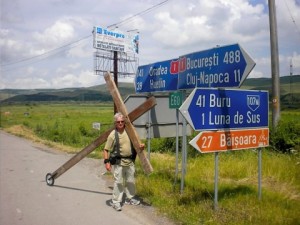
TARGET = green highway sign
x,y
175,100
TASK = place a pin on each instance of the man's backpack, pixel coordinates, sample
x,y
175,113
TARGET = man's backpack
x,y
115,156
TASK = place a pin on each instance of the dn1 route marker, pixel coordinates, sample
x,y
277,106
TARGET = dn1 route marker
x,y
226,66
213,109
224,140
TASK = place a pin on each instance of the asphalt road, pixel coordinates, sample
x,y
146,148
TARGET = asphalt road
x,y
79,197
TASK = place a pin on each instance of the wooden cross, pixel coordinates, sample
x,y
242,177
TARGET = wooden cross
x,y
135,114
128,125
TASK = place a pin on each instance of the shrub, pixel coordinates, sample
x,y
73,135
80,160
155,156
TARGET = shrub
x,y
83,130
285,137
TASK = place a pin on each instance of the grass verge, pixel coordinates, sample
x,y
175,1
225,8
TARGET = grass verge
x,y
238,201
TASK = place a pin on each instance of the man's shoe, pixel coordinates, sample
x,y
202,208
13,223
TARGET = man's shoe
x,y
132,201
117,206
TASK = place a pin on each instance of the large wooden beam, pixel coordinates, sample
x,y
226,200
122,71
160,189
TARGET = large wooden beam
x,y
128,125
135,114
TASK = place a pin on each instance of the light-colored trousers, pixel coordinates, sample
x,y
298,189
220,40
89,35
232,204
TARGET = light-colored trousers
x,y
124,182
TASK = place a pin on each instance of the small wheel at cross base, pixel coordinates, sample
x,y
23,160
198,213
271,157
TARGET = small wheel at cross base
x,y
49,179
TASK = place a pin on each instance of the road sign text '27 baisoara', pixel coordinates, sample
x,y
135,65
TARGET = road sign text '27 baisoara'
x,y
226,140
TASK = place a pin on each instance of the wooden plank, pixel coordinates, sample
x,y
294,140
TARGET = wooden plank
x,y
128,125
135,114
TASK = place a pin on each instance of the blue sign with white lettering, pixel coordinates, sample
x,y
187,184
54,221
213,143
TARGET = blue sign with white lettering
x,y
213,109
226,66
157,77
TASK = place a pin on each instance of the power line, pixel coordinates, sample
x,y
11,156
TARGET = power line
x,y
48,53
53,51
138,14
37,58
293,20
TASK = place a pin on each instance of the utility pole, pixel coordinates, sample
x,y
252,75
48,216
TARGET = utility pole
x,y
291,82
115,75
274,64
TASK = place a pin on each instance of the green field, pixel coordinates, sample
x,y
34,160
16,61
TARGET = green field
x,y
66,124
69,127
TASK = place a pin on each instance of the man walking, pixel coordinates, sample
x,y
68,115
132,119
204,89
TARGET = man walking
x,y
119,145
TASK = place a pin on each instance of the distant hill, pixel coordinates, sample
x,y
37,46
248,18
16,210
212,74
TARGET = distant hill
x,y
289,90
94,93
287,84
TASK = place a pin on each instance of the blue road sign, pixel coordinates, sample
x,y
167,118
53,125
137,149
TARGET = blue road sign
x,y
157,77
213,109
226,66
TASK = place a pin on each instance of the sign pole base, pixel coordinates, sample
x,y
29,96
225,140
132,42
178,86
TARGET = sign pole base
x,y
259,173
216,180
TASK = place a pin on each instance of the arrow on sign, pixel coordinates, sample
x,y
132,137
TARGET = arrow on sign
x,y
215,141
226,66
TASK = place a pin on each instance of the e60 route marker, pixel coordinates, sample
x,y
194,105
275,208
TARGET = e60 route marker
x,y
175,100
226,140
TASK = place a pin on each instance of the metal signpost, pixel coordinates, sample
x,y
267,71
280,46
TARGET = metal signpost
x,y
226,66
221,109
175,101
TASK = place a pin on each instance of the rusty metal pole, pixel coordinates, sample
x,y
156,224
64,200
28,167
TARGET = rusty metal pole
x,y
274,64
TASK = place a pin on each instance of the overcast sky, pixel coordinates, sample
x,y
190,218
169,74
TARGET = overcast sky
x,y
49,44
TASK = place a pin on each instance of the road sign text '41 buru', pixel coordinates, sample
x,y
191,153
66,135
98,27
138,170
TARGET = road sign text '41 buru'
x,y
213,109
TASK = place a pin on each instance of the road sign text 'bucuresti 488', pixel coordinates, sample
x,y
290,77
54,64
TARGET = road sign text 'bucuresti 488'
x,y
225,66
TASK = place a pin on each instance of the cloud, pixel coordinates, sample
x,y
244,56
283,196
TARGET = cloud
x,y
35,38
30,83
11,47
222,22
67,68
60,32
258,71
296,61
81,50
292,63
87,78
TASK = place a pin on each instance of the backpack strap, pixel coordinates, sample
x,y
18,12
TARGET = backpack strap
x,y
117,144
117,148
133,152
